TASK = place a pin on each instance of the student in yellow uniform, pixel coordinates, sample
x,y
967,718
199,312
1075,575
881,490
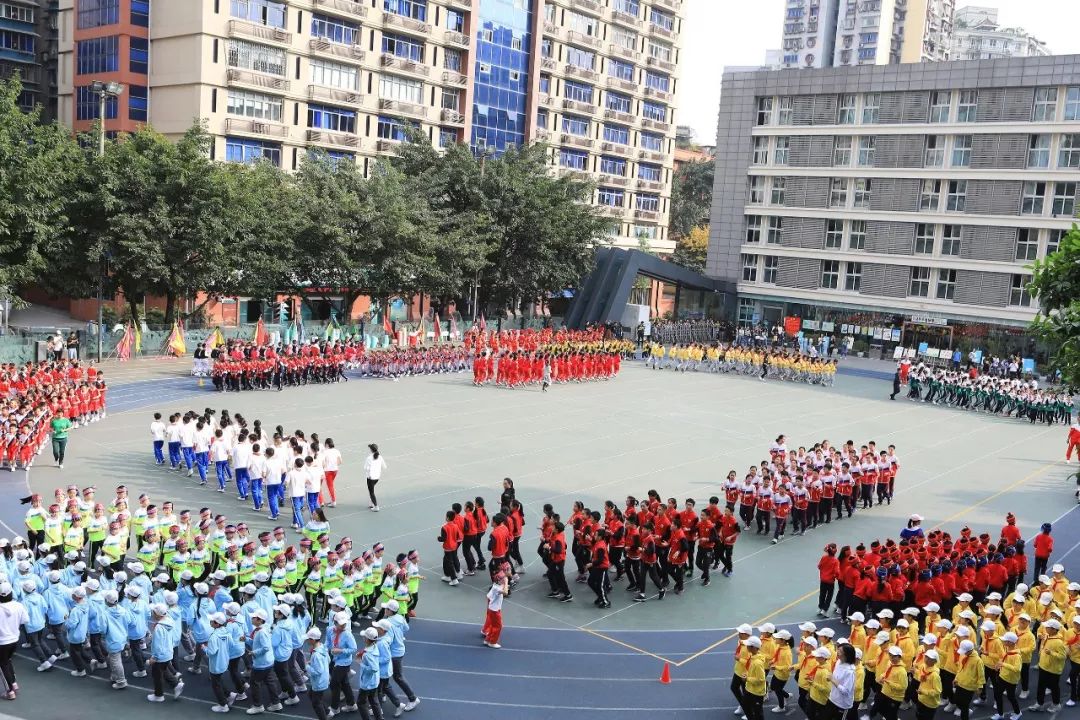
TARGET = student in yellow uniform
x,y
872,661
1072,649
970,678
804,676
1026,645
1052,655
754,695
819,672
992,651
742,653
781,668
894,682
857,633
1008,675
860,686
928,677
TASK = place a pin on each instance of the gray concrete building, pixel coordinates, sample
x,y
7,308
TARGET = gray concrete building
x,y
911,197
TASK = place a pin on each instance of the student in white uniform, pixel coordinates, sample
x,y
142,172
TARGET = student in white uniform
x,y
157,432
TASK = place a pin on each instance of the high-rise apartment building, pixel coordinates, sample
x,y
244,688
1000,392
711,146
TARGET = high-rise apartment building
x,y
275,78
834,33
978,36
912,197
28,49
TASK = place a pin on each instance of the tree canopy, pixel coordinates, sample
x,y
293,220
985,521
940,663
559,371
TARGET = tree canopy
x,y
691,197
1056,285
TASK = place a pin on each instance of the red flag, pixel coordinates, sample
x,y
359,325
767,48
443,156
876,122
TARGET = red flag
x,y
262,337
386,322
438,329
483,323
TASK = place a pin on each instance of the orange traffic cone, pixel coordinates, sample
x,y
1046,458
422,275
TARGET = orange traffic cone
x,y
665,676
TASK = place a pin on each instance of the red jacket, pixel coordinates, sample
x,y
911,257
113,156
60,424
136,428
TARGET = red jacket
x,y
1044,545
828,568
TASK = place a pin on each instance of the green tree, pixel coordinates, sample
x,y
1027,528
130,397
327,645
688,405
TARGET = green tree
x,y
691,251
691,197
39,167
1056,285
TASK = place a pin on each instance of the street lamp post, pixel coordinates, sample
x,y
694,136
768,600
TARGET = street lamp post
x,y
104,90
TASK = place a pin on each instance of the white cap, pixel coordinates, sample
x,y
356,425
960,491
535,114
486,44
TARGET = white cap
x,y
930,655
857,617
1052,624
341,618
187,575
872,624
1024,616
881,638
1022,588
338,602
766,628
1044,579
159,609
262,577
1073,586
902,623
805,627
232,608
171,598
968,615
994,596
219,618
912,611
54,575
392,605
27,586
822,652
283,609
744,629
931,607
133,591
785,635
1058,567
384,625
963,631
886,613
1010,637
219,575
78,592
1018,597
1046,598
993,610
119,576
827,632
261,615
248,589
842,641
314,634
966,647
987,626
929,639
5,588
752,642
916,517
111,597
372,634
202,588
810,642
895,651
161,578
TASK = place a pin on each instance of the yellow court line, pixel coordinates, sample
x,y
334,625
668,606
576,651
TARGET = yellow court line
x,y
628,646
1027,478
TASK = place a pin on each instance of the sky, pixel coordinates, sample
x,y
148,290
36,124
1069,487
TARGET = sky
x,y
720,33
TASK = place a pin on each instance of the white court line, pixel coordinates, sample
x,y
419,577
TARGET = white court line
x,y
564,677
587,709
534,651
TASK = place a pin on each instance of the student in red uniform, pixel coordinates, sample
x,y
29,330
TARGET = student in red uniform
x,y
678,554
828,571
498,543
1044,545
707,537
632,549
597,567
555,548
470,543
729,533
650,562
451,538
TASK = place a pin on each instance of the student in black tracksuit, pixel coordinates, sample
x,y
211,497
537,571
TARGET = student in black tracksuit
x,y
597,568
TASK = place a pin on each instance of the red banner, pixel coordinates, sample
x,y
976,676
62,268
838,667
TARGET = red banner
x,y
792,325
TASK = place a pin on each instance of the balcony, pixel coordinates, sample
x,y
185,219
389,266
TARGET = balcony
x,y
583,39
622,117
652,155
321,92
242,28
394,20
577,140
543,135
662,64
451,77
236,76
407,66
387,145
649,185
551,28
346,7
619,180
646,215
455,38
655,124
580,72
321,46
624,18
658,94
467,4
256,127
334,139
669,4
625,85
404,108
616,148
623,51
611,210
547,63
661,31
547,100
453,117
578,106
586,5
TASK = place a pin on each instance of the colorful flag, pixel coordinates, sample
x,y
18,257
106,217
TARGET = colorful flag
x,y
301,331
483,323
386,325
287,336
123,348
138,339
175,342
262,337
438,329
216,339
453,327
421,332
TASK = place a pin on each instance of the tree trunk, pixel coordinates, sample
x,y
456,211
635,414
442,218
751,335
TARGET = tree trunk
x,y
170,308
133,306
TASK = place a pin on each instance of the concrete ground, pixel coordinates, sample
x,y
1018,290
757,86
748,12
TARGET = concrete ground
x,y
447,441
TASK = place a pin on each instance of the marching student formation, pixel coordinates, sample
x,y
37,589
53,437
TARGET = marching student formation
x,y
789,365
993,395
935,621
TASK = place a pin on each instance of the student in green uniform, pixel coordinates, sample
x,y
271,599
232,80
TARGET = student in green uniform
x,y
60,427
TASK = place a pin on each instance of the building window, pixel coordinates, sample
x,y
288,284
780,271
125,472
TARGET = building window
x,y
1072,103
761,151
764,111
98,55
617,166
650,173
961,154
1039,151
1032,198
651,141
260,58
1045,109
749,268
857,238
1053,241
573,159
140,13
838,193
830,274
780,157
1064,199
620,36
403,47
772,264
628,7
657,81
262,12
574,125
580,92
940,101
930,195
584,59
98,13
946,284
968,106
846,112
451,100
547,48
616,134
920,282
871,108
583,24
391,87
392,128
661,51
612,197
138,103
746,311
867,143
661,19
924,239
139,56
950,240
834,234
415,9
654,111
935,151
842,151
957,199
757,189
452,60
753,228
785,111
1027,244
246,150
853,277
862,192
617,102
647,202
1069,152
87,105
775,236
542,119
249,104
1019,296
620,70
778,186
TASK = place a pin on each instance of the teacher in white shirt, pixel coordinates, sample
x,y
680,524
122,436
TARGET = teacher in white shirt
x,y
373,469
